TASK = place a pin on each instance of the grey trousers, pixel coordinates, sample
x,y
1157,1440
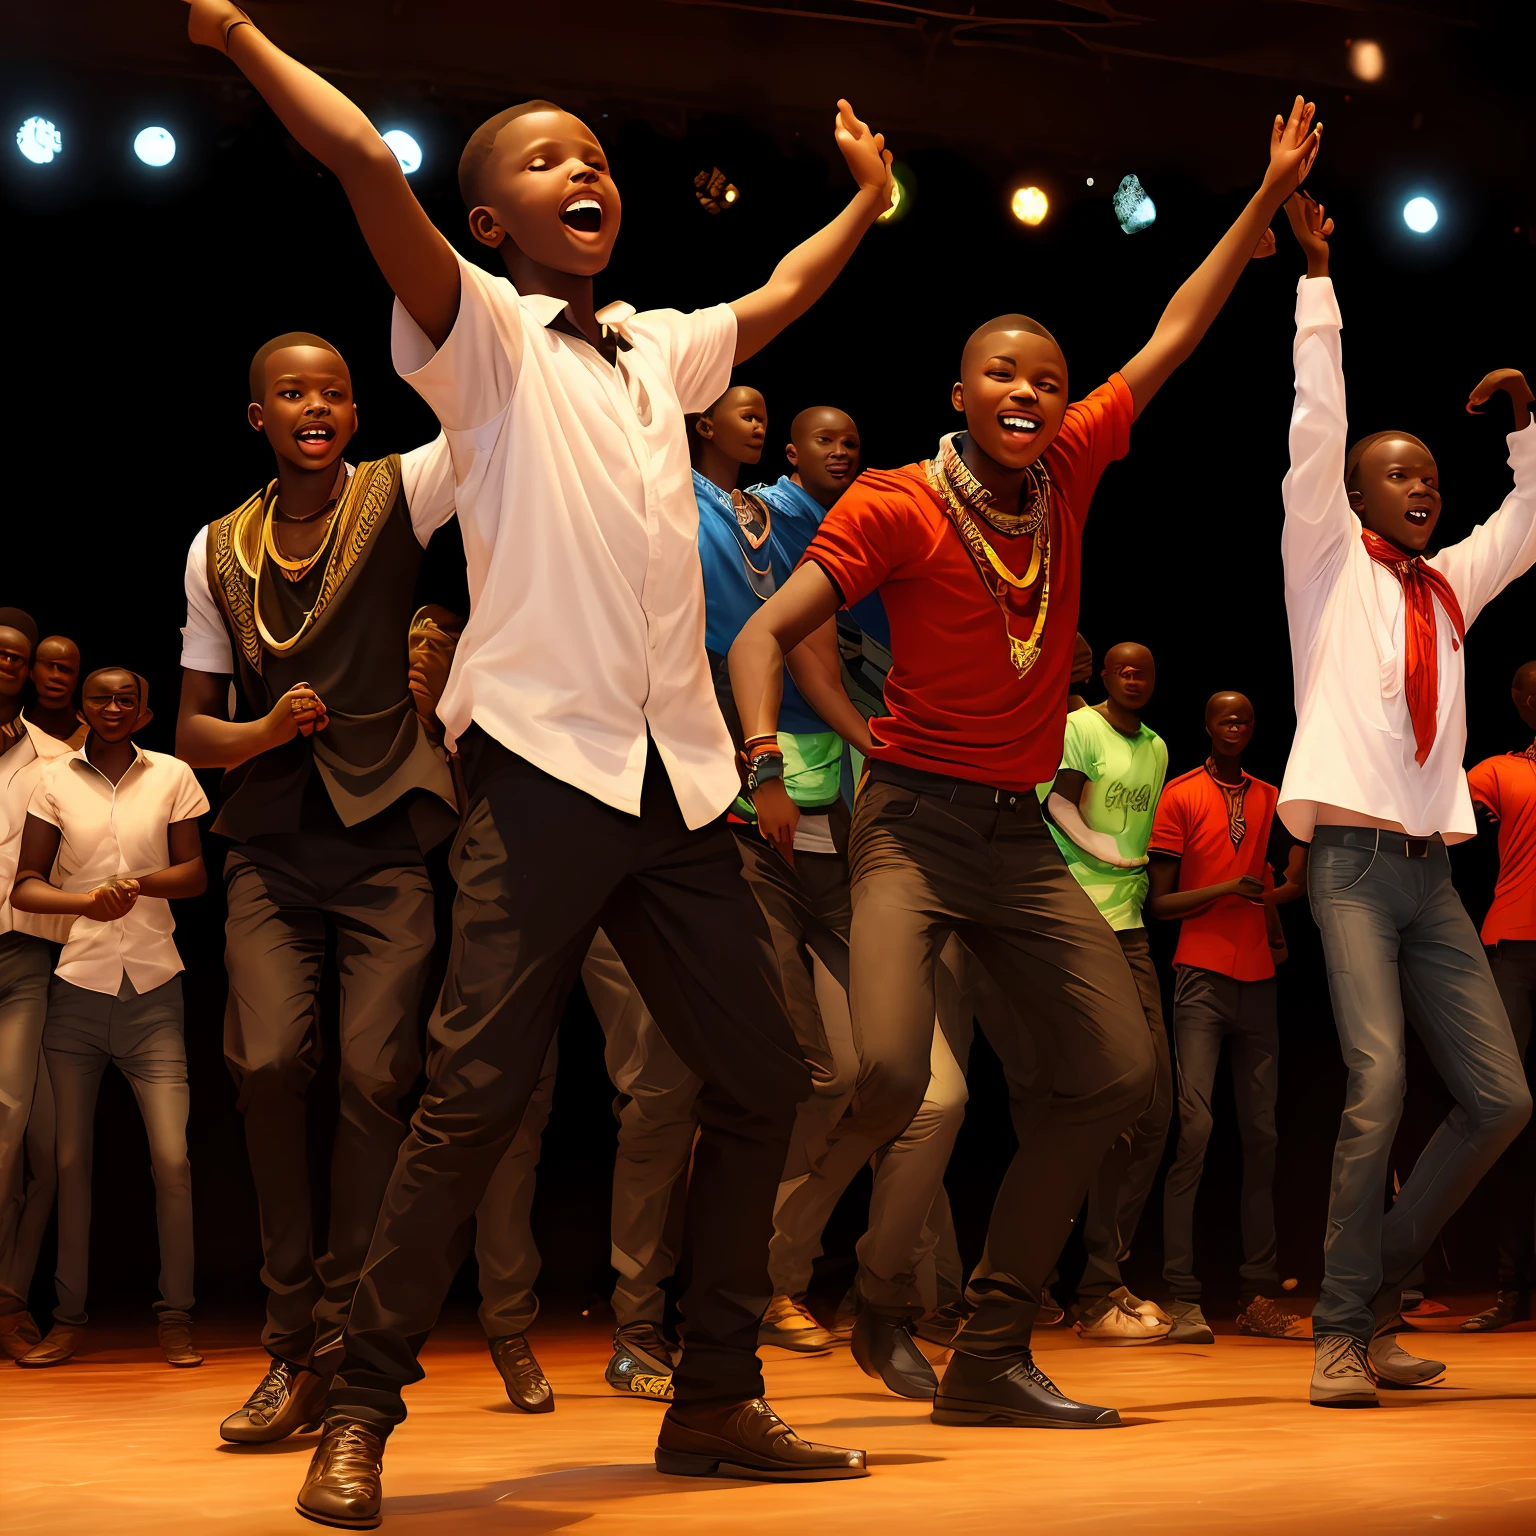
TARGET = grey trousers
x,y
284,897
1394,933
1209,1008
1119,1190
141,1035
657,1124
1514,971
28,1172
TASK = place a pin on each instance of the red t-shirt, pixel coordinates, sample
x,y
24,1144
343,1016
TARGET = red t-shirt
x,y
955,703
1230,936
1507,786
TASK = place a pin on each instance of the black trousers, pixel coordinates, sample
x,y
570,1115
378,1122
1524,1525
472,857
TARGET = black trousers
x,y
1514,1175
539,866
930,858
284,896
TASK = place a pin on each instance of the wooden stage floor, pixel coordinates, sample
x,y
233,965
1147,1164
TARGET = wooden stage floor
x,y
1218,1438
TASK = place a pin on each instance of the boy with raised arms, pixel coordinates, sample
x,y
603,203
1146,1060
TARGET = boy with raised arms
x,y
1374,783
597,765
976,555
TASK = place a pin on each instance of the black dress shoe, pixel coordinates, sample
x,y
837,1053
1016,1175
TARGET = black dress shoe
x,y
287,1401
1011,1390
527,1386
747,1440
885,1349
344,1486
1511,1307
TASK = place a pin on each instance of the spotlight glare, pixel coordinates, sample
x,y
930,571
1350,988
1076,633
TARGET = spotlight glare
x,y
39,141
406,150
1090,181
1366,60
155,146
898,196
1133,208
1420,215
1030,205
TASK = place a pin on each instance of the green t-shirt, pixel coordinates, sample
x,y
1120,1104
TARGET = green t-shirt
x,y
1125,776
813,770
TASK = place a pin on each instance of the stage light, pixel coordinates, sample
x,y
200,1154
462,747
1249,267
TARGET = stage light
x,y
155,146
1420,215
39,141
1134,209
1090,181
1030,205
407,151
1366,60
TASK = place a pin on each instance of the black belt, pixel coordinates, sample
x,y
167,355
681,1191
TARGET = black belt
x,y
1378,840
1022,802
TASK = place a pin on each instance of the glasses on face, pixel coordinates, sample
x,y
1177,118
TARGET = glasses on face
x,y
125,700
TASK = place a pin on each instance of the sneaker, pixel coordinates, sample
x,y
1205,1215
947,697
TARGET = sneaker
x,y
1392,1366
1115,1320
642,1362
1266,1319
1340,1376
1189,1324
788,1324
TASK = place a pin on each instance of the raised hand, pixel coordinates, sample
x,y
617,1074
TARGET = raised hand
x,y
1313,228
1512,383
111,901
209,22
865,152
1293,146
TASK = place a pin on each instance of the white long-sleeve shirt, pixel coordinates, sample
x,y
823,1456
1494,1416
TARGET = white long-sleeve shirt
x,y
1354,745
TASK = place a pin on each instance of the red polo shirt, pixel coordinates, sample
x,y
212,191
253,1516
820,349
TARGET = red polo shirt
x,y
1507,786
1229,936
956,705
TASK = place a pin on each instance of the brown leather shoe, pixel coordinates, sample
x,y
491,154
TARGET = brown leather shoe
x,y
175,1330
747,1440
18,1334
287,1401
527,1386
60,1345
344,1485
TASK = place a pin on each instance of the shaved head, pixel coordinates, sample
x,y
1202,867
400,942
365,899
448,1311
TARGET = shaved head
x,y
819,418
482,144
258,380
1360,449
1525,679
1220,704
979,344
1127,654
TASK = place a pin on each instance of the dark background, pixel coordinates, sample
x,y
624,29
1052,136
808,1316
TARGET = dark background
x,y
134,299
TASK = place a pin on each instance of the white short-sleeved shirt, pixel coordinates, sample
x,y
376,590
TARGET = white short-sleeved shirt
x,y
426,482
575,497
20,769
109,832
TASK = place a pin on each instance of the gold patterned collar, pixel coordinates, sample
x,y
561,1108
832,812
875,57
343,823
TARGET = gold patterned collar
x,y
978,500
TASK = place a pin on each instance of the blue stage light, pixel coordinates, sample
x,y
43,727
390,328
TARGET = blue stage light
x,y
155,147
39,141
1134,209
407,150
1420,215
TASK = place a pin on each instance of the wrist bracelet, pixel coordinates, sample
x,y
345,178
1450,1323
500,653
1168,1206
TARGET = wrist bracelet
x,y
767,741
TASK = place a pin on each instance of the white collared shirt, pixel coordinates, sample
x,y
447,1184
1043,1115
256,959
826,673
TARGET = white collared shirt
x,y
575,497
110,832
20,769
1354,745
426,482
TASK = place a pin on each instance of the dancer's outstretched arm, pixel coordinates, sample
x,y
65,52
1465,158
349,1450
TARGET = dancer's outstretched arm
x,y
807,272
1293,146
417,262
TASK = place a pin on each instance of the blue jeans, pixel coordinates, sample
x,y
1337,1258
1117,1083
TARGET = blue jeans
x,y
1395,933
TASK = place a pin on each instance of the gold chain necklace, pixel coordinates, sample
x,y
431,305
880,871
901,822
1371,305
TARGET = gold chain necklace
x,y
328,545
979,499
995,575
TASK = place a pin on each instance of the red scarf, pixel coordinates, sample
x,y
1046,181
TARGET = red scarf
x,y
1421,585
